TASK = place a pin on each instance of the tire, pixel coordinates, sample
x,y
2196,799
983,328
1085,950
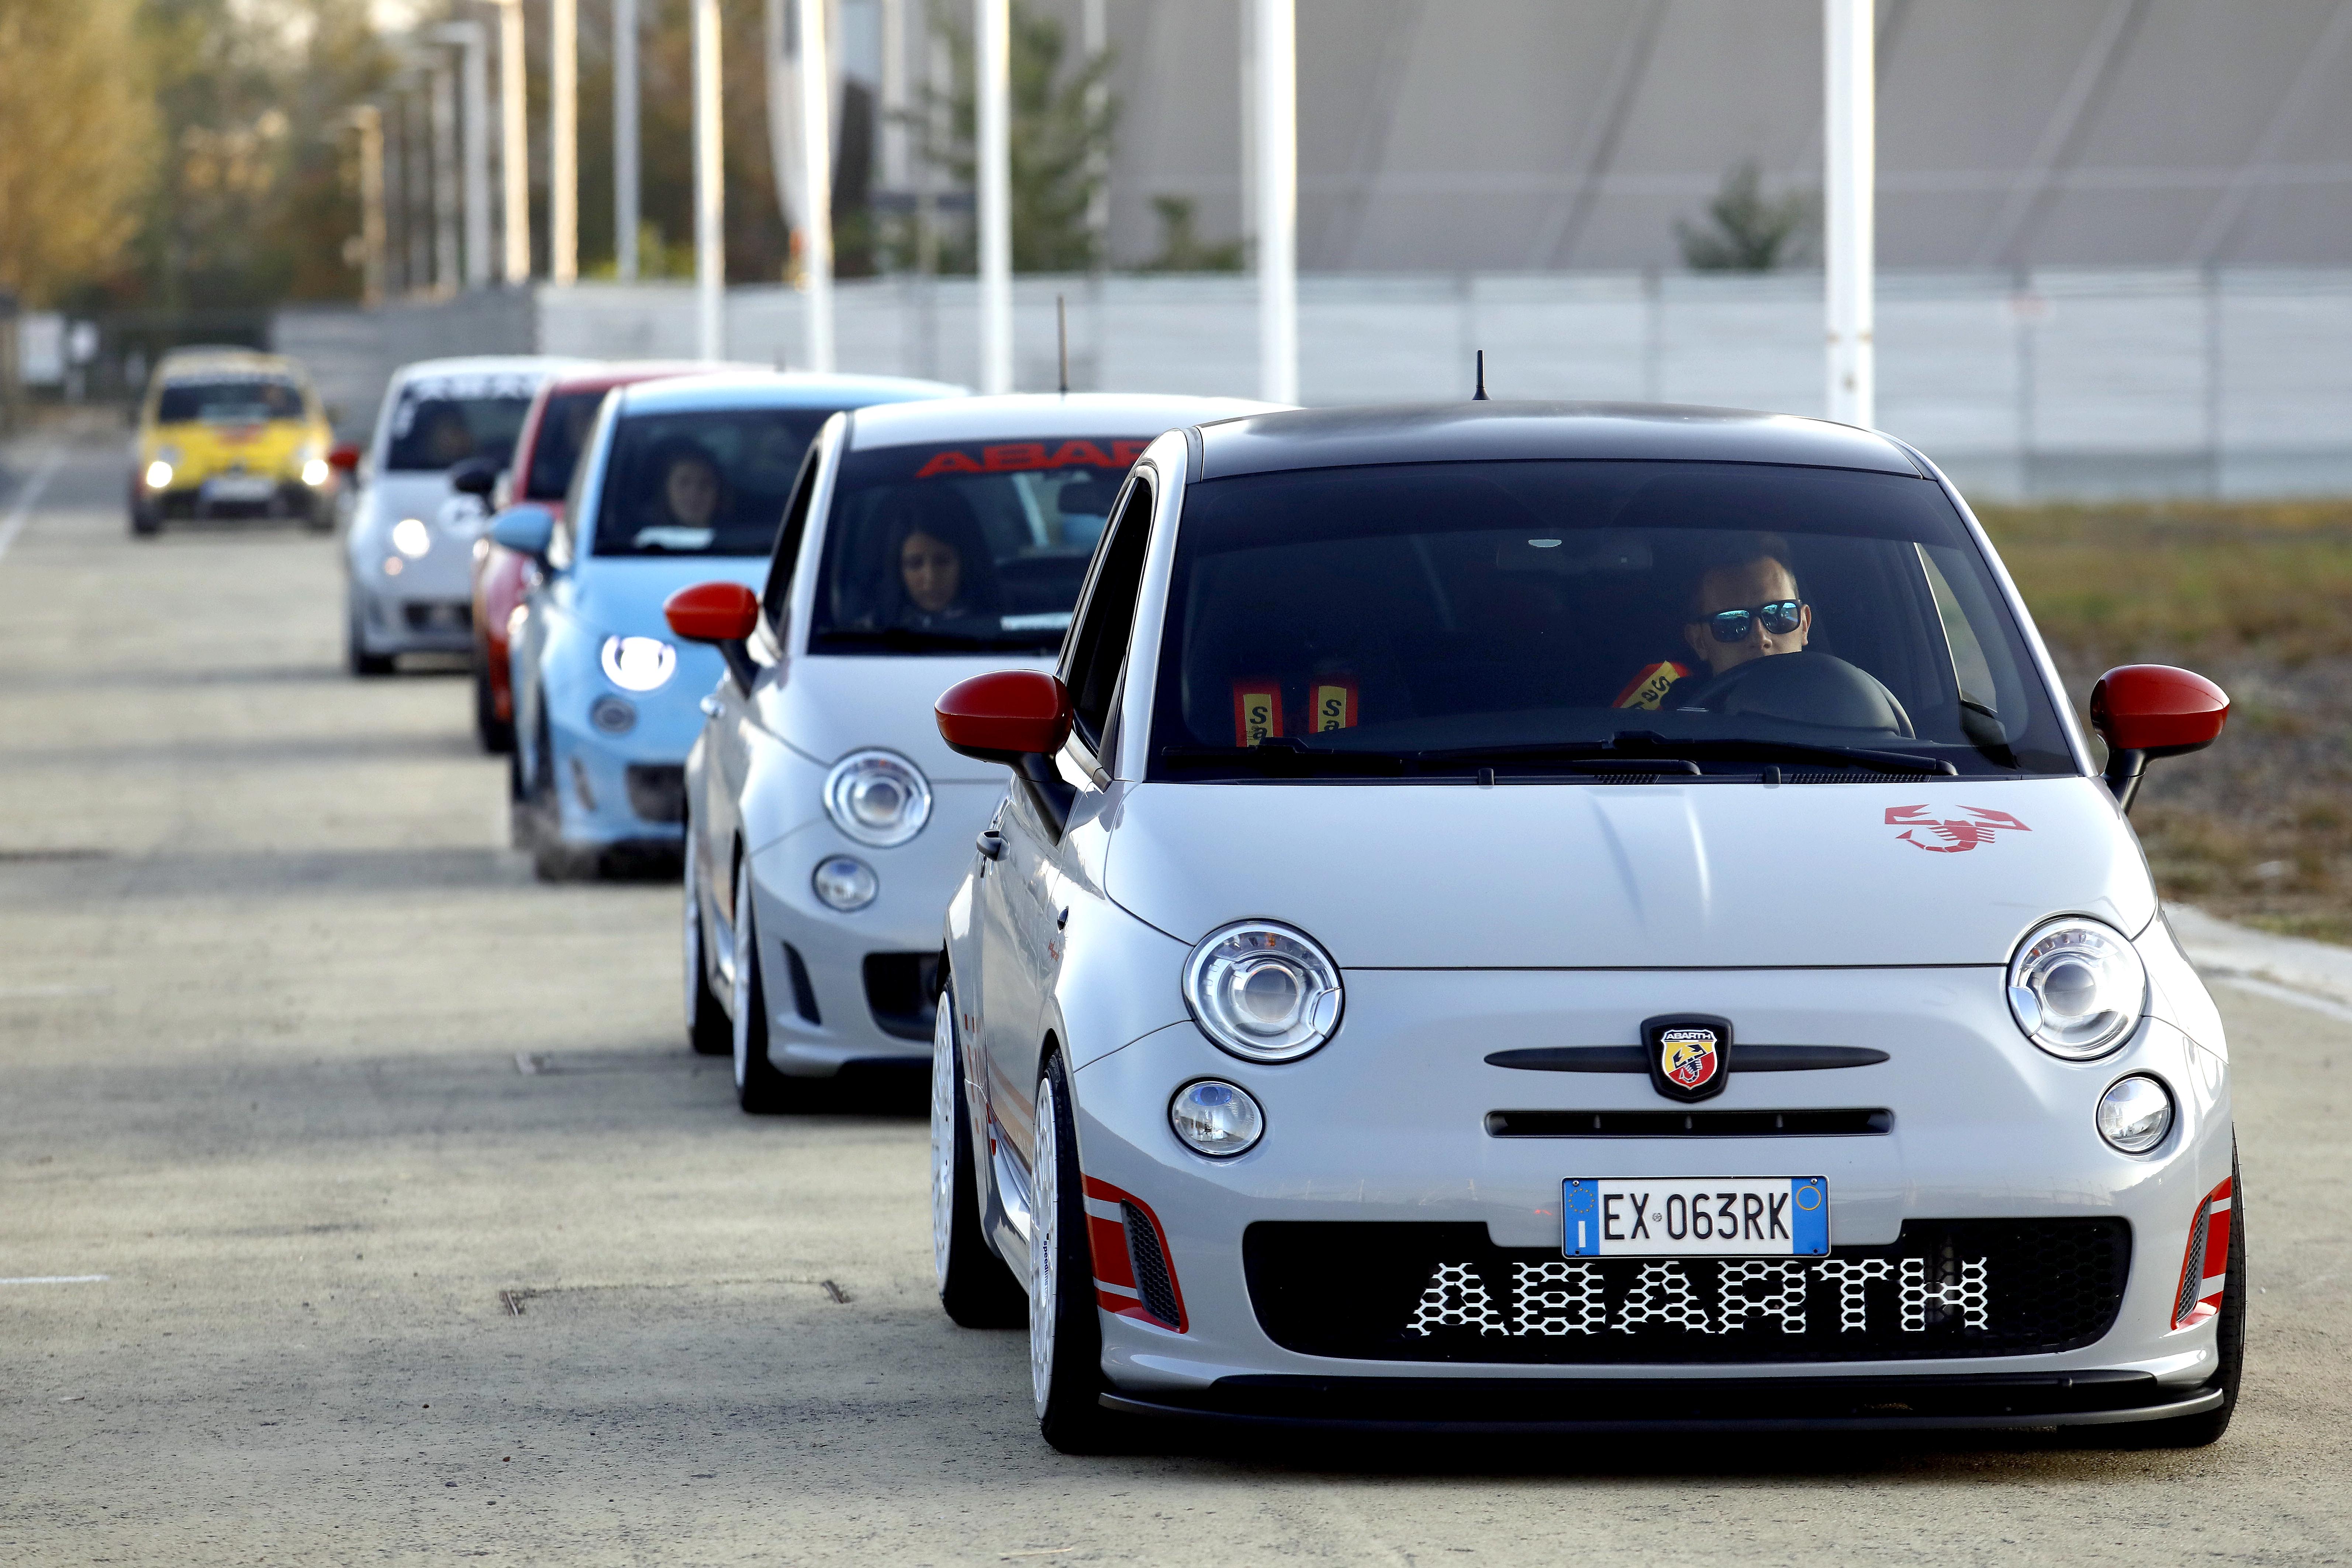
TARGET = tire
x,y
977,1291
1065,1326
2230,1329
319,517
539,817
146,521
760,1089
495,734
356,650
707,1026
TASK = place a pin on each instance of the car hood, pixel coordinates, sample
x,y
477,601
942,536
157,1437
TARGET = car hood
x,y
391,497
1631,876
828,705
624,597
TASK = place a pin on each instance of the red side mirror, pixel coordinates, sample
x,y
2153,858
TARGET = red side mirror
x,y
345,458
2144,711
1004,717
712,612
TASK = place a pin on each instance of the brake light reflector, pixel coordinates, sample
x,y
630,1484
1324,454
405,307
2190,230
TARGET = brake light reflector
x,y
2205,1267
1134,1276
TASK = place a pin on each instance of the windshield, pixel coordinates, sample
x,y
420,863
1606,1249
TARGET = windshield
x,y
445,419
949,550
710,482
563,429
1583,618
229,400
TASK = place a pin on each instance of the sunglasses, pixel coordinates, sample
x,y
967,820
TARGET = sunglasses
x,y
1780,617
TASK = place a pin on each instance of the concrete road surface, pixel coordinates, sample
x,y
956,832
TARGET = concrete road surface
x,y
270,980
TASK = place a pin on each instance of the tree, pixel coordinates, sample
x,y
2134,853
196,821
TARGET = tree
x,y
1182,249
1059,138
1746,231
78,142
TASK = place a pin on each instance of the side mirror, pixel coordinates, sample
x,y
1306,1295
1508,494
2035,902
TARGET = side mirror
x,y
475,476
525,529
344,457
2144,711
1006,716
722,613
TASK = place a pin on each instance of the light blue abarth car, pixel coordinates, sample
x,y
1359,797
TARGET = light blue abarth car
x,y
683,480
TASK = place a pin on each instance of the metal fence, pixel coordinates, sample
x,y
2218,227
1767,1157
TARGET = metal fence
x,y
2053,384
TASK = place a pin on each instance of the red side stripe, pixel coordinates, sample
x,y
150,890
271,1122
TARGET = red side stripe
x,y
2213,1212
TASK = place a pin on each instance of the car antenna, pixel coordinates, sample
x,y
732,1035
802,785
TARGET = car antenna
x,y
1062,337
1480,395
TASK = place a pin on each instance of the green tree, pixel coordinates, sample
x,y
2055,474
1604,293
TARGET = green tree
x,y
1182,249
1746,231
78,142
1059,138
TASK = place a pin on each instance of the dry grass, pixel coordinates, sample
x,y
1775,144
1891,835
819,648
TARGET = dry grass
x,y
2259,828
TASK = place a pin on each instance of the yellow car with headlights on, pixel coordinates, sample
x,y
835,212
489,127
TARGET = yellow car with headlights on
x,y
231,433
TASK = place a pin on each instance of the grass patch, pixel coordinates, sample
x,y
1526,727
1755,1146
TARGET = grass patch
x,y
2259,597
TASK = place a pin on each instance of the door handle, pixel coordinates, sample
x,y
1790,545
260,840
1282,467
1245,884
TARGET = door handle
x,y
992,845
709,706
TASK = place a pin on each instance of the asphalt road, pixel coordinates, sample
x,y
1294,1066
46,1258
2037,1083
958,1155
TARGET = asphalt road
x,y
268,985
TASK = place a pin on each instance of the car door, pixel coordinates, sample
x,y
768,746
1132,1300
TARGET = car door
x,y
1048,818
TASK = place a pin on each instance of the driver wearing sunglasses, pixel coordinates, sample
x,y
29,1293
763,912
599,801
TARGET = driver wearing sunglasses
x,y
1746,610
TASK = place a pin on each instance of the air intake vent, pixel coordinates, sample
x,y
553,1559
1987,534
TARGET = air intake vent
x,y
1687,1123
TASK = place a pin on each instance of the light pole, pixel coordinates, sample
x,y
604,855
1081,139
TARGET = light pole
x,y
564,142
993,54
368,119
444,181
514,144
1276,123
469,39
1850,118
709,189
624,140
816,82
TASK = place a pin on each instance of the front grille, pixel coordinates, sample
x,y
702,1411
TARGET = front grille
x,y
1151,1281
1444,1292
1686,1123
803,994
438,616
901,989
657,791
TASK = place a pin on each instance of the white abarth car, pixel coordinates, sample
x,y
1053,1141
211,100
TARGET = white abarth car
x,y
826,822
408,555
1548,916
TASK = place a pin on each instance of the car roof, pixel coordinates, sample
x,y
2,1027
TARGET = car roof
x,y
1038,413
1494,430
492,365
775,389
604,375
209,360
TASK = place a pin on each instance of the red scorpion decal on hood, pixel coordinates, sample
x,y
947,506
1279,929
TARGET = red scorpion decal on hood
x,y
1957,833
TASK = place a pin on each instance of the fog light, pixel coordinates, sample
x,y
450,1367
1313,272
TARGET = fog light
x,y
612,715
393,565
1216,1119
159,475
2134,1113
846,883
411,537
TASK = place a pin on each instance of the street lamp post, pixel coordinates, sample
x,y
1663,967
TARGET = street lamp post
x,y
563,141
444,181
471,41
815,94
368,119
993,54
1277,124
624,140
709,189
1850,118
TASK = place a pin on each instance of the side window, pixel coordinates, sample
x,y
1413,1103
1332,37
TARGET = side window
x,y
1099,642
561,549
779,590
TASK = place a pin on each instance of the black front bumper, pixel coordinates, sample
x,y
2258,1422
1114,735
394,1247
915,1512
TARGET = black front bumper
x,y
1594,1406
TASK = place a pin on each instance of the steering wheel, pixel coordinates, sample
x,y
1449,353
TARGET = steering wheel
x,y
1804,688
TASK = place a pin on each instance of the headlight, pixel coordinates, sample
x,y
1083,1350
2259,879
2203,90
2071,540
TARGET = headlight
x,y
1216,1119
411,537
877,798
315,471
638,663
1262,991
844,883
159,475
2077,988
2134,1113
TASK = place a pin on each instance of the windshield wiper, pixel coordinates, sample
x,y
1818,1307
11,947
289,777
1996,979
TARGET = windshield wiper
x,y
1284,754
1633,750
1851,756
905,639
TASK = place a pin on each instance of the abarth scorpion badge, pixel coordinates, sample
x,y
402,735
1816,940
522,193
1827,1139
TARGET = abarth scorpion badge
x,y
1688,1055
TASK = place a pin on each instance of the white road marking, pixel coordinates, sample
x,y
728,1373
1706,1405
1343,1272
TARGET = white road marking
x,y
27,500
58,1280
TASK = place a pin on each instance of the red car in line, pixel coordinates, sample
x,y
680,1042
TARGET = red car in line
x,y
553,435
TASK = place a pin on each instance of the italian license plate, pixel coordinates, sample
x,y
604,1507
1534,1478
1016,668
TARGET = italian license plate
x,y
1695,1216
240,487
